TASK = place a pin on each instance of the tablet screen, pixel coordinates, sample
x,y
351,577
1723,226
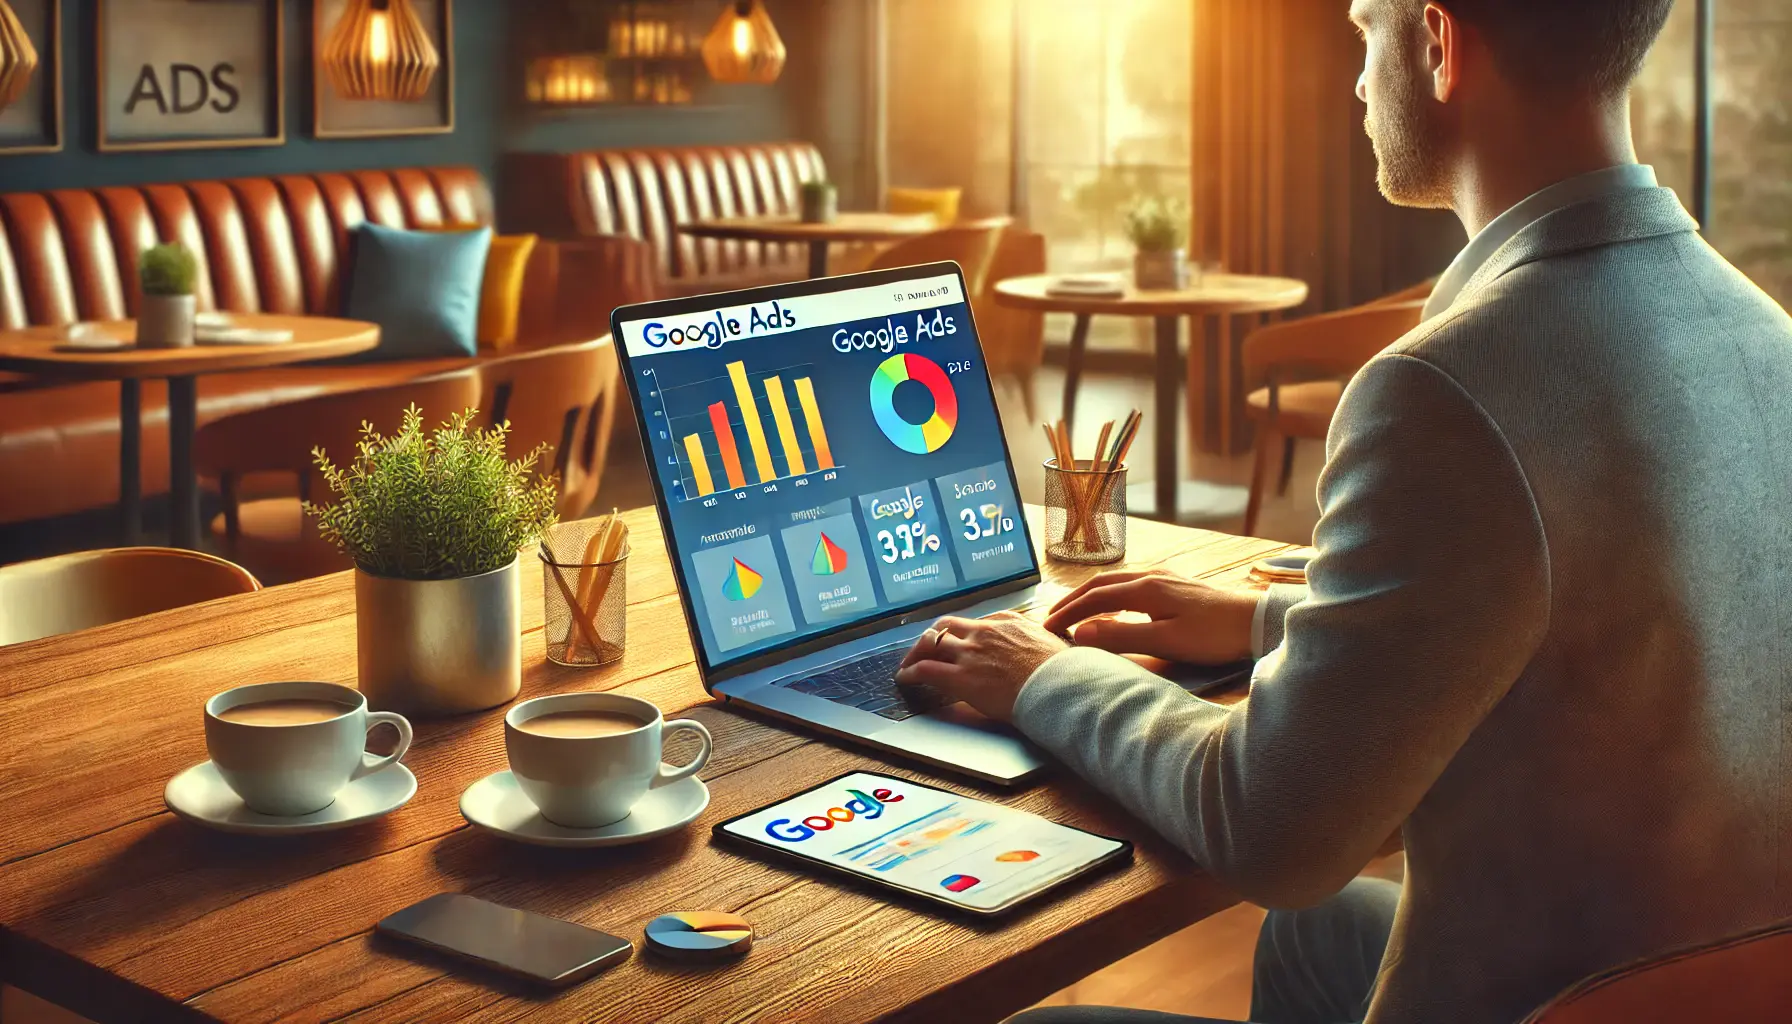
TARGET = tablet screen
x,y
978,855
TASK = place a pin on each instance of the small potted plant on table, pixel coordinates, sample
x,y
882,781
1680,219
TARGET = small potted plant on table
x,y
1158,229
434,523
821,202
167,273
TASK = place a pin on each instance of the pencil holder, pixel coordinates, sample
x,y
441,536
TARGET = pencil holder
x,y
1085,514
585,604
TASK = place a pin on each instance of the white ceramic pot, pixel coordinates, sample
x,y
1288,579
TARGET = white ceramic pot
x,y
440,647
165,321
1165,270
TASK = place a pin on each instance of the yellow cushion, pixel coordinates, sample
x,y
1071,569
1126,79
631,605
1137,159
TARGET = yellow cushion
x,y
941,202
501,293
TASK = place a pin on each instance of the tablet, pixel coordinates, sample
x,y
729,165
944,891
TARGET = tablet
x,y
970,854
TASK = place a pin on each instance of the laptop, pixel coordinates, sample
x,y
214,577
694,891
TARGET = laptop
x,y
831,477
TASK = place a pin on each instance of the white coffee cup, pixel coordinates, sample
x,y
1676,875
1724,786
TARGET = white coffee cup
x,y
296,769
593,781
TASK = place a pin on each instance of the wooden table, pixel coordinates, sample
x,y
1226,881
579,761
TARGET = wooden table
x,y
111,906
33,350
847,227
1213,295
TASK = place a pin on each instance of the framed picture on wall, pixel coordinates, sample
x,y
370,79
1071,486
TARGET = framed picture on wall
x,y
32,122
412,91
190,74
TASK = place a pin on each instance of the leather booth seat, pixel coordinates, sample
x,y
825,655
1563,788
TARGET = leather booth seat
x,y
630,202
276,245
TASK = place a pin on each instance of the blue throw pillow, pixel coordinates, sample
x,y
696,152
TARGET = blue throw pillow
x,y
421,287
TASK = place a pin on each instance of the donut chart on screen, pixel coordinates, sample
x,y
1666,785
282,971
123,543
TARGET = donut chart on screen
x,y
916,438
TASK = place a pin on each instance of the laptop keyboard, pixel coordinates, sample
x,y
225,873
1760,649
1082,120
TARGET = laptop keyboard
x,y
869,684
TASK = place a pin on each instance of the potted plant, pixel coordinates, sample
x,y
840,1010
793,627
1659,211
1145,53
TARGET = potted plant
x,y
821,202
167,273
434,523
1159,230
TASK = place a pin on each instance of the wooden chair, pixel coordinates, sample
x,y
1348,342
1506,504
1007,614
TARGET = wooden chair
x,y
1740,980
566,397
941,202
1013,339
972,244
1294,375
272,534
65,593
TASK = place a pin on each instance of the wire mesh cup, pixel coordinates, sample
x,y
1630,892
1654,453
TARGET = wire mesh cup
x,y
585,602
1085,513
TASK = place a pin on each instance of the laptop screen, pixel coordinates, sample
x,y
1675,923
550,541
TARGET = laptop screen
x,y
827,455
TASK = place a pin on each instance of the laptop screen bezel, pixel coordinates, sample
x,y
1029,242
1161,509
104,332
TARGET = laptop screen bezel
x,y
896,616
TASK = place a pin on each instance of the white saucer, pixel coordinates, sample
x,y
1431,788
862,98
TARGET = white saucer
x,y
497,804
201,796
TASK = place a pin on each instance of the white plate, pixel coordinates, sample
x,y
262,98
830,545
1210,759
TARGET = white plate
x,y
498,805
201,796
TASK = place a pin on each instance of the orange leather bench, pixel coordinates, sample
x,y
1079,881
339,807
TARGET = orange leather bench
x,y
277,245
633,200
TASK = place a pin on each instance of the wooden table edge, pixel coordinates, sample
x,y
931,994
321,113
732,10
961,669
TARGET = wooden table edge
x,y
139,364
1136,304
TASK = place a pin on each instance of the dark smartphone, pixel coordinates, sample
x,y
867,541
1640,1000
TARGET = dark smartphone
x,y
542,949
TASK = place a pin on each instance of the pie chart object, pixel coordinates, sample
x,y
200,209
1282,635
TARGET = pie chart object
x,y
699,935
915,438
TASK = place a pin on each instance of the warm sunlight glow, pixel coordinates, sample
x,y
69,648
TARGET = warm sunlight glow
x,y
743,37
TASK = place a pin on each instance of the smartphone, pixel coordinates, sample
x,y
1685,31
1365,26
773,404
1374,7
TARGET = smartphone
x,y
542,949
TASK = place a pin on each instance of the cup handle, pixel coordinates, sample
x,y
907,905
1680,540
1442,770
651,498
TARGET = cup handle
x,y
670,774
403,725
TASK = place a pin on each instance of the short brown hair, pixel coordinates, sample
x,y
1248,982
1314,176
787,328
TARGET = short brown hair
x,y
1557,45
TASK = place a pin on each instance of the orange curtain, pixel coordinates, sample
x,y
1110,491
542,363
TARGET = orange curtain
x,y
1284,183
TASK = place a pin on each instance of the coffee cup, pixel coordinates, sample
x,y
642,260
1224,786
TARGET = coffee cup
x,y
586,759
289,748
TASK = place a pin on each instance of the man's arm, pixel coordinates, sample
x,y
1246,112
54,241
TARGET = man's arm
x,y
1427,599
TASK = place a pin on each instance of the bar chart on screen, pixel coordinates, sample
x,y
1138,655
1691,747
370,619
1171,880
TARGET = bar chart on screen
x,y
742,431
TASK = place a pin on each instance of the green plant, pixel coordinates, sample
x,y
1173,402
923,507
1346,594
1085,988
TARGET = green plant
x,y
817,187
168,269
1157,225
421,506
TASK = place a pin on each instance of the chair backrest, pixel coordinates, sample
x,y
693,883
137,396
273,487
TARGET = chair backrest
x,y
647,193
91,588
1742,979
564,397
280,438
941,202
1329,345
1013,339
972,243
264,245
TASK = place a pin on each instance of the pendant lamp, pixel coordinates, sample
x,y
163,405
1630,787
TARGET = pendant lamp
x,y
18,58
744,45
380,51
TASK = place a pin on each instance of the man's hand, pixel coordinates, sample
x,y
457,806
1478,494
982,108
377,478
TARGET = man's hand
x,y
983,662
1190,621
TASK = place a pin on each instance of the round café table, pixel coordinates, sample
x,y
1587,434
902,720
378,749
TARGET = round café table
x,y
1212,295
38,351
847,227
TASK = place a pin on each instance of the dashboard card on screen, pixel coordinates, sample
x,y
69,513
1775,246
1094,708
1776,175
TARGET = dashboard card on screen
x,y
825,459
971,853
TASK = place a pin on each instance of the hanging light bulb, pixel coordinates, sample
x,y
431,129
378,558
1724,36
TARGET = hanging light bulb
x,y
379,50
744,45
18,58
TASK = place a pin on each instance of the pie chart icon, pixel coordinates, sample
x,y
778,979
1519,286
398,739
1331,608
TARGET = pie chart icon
x,y
699,935
930,434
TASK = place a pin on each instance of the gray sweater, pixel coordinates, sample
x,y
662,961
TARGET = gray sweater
x,y
1546,635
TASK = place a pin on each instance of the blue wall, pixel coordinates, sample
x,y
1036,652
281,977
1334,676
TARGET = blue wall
x,y
486,119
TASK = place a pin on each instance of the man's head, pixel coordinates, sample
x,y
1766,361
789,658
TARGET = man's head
x,y
1432,68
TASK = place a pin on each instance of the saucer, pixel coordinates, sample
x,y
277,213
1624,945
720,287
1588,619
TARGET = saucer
x,y
498,805
201,796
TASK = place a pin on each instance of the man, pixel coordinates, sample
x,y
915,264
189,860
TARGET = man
x,y
1546,635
